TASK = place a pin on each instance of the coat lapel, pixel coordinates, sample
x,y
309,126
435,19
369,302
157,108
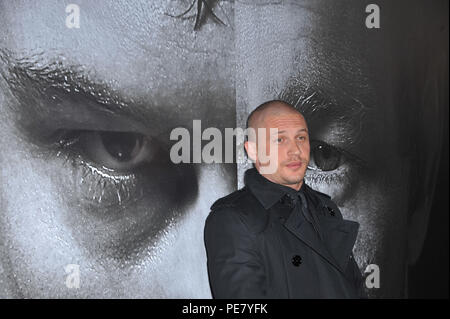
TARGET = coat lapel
x,y
339,237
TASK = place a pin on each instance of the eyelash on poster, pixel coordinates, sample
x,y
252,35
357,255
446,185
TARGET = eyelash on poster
x,y
338,176
100,182
341,175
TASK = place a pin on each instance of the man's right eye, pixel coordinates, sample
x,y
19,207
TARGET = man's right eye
x,y
325,157
330,166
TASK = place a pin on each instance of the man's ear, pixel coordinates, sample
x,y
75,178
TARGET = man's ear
x,y
250,148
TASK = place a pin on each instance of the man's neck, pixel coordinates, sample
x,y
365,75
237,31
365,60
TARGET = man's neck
x,y
296,186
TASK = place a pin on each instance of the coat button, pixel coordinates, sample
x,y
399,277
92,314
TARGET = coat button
x,y
296,260
331,210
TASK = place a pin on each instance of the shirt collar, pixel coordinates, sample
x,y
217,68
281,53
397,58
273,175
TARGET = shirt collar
x,y
267,192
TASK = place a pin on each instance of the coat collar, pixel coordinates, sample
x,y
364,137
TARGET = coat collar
x,y
267,192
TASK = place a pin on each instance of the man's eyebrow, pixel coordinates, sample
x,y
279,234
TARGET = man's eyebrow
x,y
300,130
310,100
31,73
315,103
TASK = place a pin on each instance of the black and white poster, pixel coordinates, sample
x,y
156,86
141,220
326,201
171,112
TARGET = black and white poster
x,y
98,199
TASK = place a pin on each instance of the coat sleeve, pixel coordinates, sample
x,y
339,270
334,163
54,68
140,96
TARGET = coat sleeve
x,y
234,264
358,280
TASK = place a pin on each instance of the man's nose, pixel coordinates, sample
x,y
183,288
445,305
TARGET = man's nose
x,y
294,148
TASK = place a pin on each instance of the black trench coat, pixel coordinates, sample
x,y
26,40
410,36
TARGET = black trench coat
x,y
258,248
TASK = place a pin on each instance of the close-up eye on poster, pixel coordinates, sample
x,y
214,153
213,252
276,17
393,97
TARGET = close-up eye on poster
x,y
219,149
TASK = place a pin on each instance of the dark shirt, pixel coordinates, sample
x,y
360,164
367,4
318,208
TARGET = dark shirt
x,y
302,204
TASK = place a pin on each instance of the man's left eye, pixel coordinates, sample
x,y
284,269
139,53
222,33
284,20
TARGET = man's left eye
x,y
325,157
119,151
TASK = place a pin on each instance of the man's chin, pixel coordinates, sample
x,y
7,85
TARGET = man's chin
x,y
293,177
293,180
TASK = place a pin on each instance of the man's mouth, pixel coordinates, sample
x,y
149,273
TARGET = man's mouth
x,y
294,165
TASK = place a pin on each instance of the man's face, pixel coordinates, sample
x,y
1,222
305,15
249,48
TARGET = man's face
x,y
85,119
338,74
288,148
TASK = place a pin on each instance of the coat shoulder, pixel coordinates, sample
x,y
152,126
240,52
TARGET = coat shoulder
x,y
231,200
243,204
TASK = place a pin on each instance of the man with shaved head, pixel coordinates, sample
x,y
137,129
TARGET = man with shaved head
x,y
280,115
276,237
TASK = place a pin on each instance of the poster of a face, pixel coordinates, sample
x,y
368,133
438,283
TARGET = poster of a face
x,y
92,204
